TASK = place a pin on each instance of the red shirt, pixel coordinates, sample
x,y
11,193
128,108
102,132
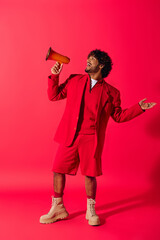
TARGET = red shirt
x,y
89,106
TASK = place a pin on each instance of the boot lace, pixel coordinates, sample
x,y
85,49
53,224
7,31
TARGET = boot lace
x,y
92,206
53,200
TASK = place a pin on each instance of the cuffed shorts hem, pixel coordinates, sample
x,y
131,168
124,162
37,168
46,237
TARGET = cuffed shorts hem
x,y
91,174
64,172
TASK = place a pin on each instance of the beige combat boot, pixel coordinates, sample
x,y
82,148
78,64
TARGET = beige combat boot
x,y
91,214
57,211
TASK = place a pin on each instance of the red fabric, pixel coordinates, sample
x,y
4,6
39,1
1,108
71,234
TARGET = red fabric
x,y
109,104
58,195
86,123
93,197
67,159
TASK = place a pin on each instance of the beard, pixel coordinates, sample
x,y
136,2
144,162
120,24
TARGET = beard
x,y
92,69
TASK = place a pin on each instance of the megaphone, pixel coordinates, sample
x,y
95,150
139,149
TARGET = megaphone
x,y
52,55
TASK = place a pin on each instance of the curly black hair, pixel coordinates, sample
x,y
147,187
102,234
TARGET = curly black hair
x,y
103,58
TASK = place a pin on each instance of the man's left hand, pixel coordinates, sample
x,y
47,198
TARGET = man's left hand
x,y
145,105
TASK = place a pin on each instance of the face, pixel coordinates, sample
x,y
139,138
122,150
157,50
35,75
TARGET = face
x,y
92,65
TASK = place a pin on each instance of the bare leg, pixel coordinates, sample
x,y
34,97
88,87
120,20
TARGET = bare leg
x,y
59,180
57,211
91,186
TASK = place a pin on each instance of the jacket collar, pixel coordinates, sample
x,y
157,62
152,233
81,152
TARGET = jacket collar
x,y
99,81
103,82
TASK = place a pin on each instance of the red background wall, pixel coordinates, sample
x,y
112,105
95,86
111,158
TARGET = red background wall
x,y
128,31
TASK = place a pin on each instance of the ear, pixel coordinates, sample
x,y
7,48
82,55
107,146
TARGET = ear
x,y
101,66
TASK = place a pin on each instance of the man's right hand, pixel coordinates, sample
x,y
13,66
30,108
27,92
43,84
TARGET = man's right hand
x,y
56,69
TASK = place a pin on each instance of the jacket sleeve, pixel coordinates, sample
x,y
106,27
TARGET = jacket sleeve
x,y
122,115
56,91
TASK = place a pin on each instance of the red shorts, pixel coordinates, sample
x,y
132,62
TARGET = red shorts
x,y
67,159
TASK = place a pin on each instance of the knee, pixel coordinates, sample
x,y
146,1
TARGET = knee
x,y
90,179
58,174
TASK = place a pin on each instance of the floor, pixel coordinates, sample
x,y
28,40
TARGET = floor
x,y
125,214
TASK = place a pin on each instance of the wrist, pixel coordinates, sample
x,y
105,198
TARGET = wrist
x,y
54,76
141,107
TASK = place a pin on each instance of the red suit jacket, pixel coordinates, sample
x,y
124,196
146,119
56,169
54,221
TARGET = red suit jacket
x,y
109,104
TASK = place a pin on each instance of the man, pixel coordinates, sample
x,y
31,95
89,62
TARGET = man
x,y
81,132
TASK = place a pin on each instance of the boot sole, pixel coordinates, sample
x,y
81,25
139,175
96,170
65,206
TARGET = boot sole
x,y
92,223
61,216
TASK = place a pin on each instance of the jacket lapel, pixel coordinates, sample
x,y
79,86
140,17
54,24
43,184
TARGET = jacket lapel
x,y
103,98
80,89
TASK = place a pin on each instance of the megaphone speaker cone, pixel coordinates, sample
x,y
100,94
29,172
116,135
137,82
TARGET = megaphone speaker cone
x,y
52,55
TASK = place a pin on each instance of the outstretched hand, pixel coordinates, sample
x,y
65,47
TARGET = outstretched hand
x,y
145,105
